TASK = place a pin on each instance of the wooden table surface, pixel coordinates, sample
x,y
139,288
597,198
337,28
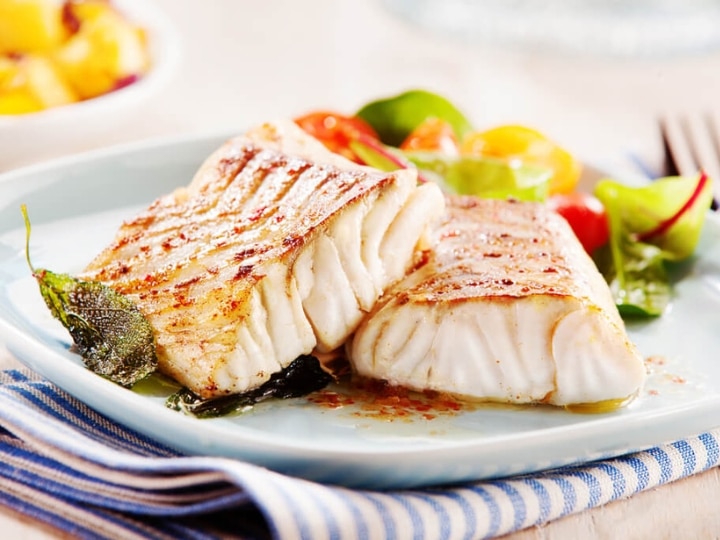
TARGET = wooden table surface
x,y
245,62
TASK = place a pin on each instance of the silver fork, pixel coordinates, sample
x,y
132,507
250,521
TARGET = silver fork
x,y
692,144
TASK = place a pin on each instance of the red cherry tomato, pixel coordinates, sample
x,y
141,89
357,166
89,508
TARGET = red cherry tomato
x,y
586,215
336,131
433,135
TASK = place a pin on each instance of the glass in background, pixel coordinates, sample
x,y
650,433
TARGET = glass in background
x,y
626,28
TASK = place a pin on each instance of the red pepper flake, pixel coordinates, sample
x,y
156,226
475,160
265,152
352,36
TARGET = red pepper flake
x,y
244,254
243,271
292,241
655,360
330,399
257,213
379,400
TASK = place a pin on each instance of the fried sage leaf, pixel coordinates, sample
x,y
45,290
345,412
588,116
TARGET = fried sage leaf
x,y
302,376
111,334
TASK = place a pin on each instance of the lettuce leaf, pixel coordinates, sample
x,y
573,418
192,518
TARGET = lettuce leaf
x,y
486,177
649,227
668,213
636,275
465,175
395,117
379,156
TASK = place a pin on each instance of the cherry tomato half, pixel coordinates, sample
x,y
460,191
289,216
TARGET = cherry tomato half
x,y
432,135
336,131
586,215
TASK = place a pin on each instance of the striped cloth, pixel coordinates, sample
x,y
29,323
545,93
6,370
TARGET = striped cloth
x,y
67,465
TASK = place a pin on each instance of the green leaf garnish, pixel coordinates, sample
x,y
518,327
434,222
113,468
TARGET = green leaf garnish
x,y
669,212
300,377
485,177
379,156
649,227
394,118
637,277
466,175
111,334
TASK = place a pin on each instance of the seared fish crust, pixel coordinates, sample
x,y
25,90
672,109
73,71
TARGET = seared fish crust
x,y
277,247
507,308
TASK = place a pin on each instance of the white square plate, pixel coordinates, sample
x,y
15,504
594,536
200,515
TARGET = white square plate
x,y
76,205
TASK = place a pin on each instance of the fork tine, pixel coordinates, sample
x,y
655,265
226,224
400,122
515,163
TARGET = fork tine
x,y
712,127
670,167
681,158
699,132
693,144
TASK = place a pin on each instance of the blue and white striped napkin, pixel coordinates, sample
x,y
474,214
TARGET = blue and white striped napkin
x,y
67,465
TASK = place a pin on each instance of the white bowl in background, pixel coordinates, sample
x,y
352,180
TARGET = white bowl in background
x,y
33,137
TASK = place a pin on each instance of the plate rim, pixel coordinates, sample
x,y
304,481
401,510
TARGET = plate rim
x,y
21,344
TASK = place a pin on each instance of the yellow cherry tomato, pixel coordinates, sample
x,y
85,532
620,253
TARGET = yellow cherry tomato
x,y
513,142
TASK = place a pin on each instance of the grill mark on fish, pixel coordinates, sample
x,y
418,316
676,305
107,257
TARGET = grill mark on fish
x,y
510,264
253,183
227,169
201,262
532,322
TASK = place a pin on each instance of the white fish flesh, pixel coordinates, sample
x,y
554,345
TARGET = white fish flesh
x,y
277,247
508,308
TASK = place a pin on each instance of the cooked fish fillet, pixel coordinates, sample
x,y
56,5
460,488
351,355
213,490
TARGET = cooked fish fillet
x,y
277,247
508,308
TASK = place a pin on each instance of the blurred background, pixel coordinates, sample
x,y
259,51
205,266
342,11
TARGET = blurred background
x,y
557,66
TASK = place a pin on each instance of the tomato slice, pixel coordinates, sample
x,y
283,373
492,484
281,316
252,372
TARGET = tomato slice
x,y
586,215
336,131
432,135
513,142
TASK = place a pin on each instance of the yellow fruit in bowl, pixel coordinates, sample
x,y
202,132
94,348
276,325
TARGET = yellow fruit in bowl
x,y
30,83
18,101
30,25
78,12
55,52
105,51
514,142
8,70
46,82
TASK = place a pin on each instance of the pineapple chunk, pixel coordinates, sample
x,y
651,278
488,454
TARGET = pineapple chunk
x,y
30,25
9,72
18,101
55,52
106,50
31,83
79,12
47,83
